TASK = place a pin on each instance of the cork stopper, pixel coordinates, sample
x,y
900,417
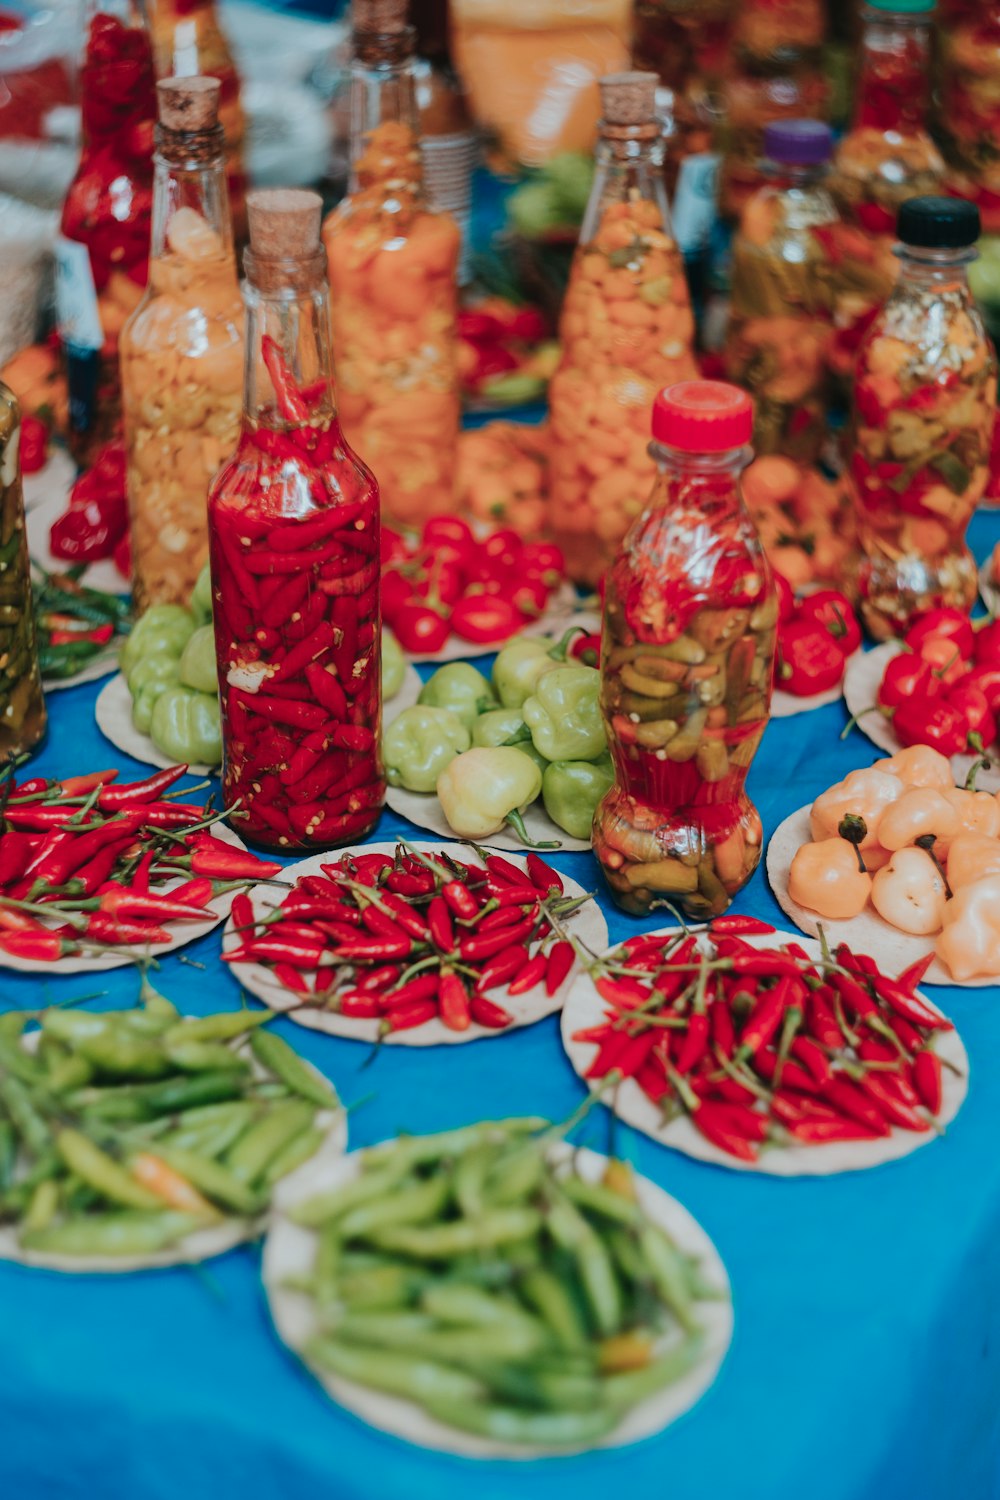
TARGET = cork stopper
x,y
380,17
284,223
188,104
628,98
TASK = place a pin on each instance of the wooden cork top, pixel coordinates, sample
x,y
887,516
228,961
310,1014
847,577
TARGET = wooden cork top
x,y
381,17
188,104
284,222
628,98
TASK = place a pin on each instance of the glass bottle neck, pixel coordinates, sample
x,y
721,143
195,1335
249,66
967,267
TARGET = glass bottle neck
x,y
894,80
941,270
382,93
625,169
288,375
197,182
678,461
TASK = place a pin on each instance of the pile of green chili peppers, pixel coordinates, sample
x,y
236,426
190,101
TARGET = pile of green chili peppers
x,y
478,1274
121,1132
536,703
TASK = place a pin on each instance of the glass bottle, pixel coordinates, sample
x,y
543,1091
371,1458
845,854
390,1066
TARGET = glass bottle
x,y
626,330
294,545
922,423
188,41
786,83
687,42
102,252
393,279
886,157
22,705
686,662
449,145
182,350
781,311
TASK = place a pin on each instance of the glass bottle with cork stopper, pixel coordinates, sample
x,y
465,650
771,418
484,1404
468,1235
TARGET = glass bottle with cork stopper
x,y
626,330
22,704
393,278
925,392
294,547
783,292
102,252
886,157
686,662
182,349
449,145
188,41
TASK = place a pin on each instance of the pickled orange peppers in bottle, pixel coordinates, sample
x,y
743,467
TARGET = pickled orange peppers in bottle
x,y
294,546
182,350
686,663
188,40
925,396
393,268
626,330
886,157
102,252
781,309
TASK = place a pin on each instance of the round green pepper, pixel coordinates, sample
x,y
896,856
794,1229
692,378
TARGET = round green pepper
x,y
163,630
460,688
186,726
393,665
197,668
200,603
418,745
571,790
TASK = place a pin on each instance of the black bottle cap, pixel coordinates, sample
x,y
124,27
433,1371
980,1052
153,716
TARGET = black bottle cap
x,y
938,223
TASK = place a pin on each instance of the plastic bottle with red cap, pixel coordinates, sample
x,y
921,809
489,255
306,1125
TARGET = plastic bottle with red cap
x,y
688,647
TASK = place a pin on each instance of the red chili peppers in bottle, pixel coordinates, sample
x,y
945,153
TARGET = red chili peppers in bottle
x,y
294,544
686,666
102,254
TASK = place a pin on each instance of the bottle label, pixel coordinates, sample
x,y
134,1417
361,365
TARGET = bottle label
x,y
77,314
694,201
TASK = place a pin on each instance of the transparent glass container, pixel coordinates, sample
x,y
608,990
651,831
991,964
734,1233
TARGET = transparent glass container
x,y
686,666
182,357
22,705
102,254
294,546
967,121
782,297
626,331
886,157
786,84
922,427
393,266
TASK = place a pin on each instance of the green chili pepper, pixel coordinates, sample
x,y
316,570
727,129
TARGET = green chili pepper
x,y
214,1180
101,1171
415,1150
564,716
274,1053
555,1305
571,790
632,1386
481,1344
570,1229
8,1152
458,687
418,745
112,1234
42,1207
397,1374
298,1150
368,1186
67,1073
253,1153
379,1288
441,1241
119,1053
211,1136
29,1124
511,1424
221,1027
197,1057
408,1205
666,1271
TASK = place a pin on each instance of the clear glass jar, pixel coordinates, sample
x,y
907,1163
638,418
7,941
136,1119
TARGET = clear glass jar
x,y
886,157
686,662
294,545
687,42
786,84
781,308
968,103
188,41
102,254
922,424
393,277
22,705
626,330
182,350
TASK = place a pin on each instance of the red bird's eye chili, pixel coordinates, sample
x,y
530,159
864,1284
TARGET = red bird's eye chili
x,y
927,1077
533,973
294,540
558,966
485,1013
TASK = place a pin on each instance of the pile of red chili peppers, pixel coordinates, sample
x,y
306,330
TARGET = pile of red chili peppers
x,y
86,854
414,938
943,689
763,1045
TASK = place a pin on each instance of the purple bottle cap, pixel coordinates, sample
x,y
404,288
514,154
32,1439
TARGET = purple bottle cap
x,y
801,143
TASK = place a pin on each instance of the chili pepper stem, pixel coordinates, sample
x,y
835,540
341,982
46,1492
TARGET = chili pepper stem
x,y
516,822
852,721
927,842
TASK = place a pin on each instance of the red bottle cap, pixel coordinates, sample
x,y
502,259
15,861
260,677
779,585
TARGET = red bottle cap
x,y
702,416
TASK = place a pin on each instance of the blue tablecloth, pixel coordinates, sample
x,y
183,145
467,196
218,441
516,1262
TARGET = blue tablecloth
x,y
866,1358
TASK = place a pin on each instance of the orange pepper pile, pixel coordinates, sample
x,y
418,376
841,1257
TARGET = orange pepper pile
x,y
805,521
392,275
626,331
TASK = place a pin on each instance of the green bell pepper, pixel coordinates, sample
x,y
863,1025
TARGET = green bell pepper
x,y
571,790
186,726
162,631
148,680
505,726
418,745
393,665
197,667
485,789
564,716
200,602
460,688
524,661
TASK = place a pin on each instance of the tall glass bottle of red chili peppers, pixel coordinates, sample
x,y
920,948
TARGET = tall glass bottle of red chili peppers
x,y
294,545
102,253
686,663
